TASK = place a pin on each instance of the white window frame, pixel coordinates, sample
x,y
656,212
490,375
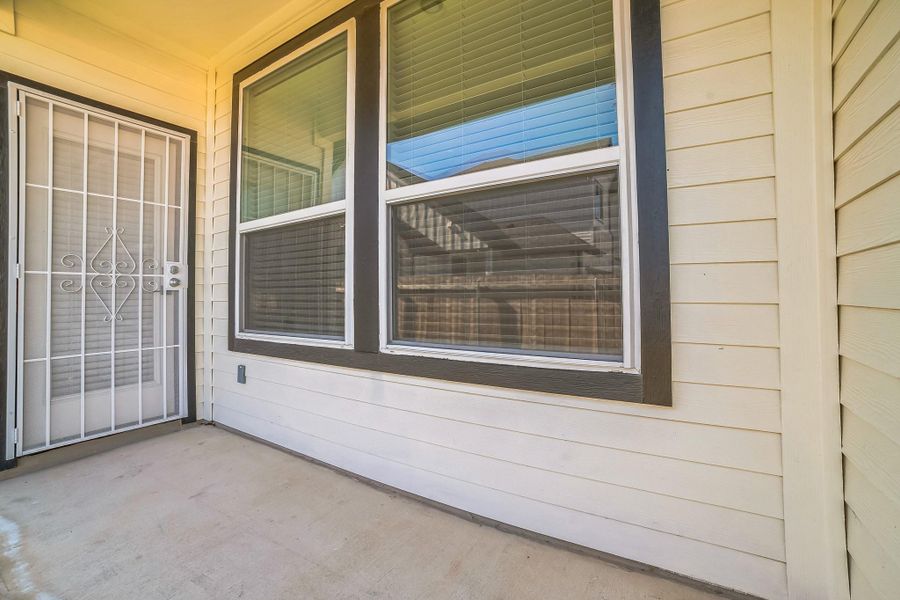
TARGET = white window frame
x,y
621,156
313,213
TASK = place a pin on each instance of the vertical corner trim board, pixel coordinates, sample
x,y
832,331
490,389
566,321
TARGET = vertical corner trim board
x,y
867,175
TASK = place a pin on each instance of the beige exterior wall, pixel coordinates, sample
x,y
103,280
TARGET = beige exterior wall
x,y
866,57
56,46
695,488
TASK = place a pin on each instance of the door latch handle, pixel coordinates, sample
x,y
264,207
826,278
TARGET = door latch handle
x,y
177,276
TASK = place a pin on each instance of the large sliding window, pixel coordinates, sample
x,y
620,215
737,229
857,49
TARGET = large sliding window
x,y
508,228
477,173
295,202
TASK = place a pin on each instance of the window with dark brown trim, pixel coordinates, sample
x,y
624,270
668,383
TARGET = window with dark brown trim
x,y
508,179
294,258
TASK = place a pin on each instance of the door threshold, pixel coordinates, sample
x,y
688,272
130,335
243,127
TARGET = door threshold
x,y
72,452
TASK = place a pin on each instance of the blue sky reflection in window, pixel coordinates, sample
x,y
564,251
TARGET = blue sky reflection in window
x,y
584,120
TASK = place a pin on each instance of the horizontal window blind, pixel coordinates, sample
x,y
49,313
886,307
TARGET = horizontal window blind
x,y
475,84
293,134
294,279
533,268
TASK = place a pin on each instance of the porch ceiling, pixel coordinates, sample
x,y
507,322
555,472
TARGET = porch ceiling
x,y
200,28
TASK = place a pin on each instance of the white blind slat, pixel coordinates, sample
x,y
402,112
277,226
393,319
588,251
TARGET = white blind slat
x,y
532,267
294,279
474,84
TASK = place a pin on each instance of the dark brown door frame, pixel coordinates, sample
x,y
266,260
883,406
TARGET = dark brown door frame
x,y
7,279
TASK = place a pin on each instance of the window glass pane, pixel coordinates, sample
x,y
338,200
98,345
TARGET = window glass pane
x,y
97,393
475,84
532,268
127,389
174,173
68,149
34,404
101,141
293,280
152,391
37,116
129,167
293,134
65,399
68,224
155,168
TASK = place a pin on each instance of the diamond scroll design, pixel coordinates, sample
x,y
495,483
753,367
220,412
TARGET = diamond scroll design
x,y
120,275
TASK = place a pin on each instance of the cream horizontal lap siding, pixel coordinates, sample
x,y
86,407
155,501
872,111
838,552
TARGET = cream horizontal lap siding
x,y
57,46
866,58
695,488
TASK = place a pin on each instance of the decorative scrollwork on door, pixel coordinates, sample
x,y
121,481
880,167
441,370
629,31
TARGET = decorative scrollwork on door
x,y
114,241
108,276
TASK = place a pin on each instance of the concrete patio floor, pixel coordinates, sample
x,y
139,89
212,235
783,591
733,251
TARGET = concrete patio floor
x,y
205,513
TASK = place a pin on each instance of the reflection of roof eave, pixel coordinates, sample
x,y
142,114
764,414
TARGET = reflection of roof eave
x,y
424,241
499,240
503,283
503,162
279,160
494,164
402,176
460,211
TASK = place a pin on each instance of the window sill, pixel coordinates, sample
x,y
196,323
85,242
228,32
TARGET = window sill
x,y
507,358
606,384
295,340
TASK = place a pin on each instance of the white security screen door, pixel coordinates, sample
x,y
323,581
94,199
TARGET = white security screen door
x,y
101,254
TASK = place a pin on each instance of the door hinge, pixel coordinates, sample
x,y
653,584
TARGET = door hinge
x,y
18,108
15,436
18,271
